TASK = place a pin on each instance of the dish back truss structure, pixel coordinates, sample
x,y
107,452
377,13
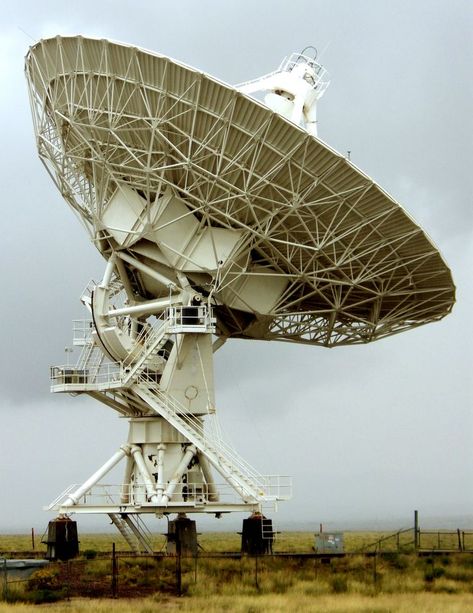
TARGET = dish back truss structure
x,y
219,217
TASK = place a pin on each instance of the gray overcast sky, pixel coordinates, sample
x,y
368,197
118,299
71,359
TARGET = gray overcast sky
x,y
367,432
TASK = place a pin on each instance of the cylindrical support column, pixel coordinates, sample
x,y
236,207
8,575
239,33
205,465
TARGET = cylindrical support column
x,y
160,469
108,272
124,277
183,464
147,270
146,308
207,472
101,472
125,495
144,472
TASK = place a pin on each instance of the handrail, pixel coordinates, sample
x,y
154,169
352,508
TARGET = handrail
x,y
196,424
240,473
194,318
286,65
95,374
110,495
62,495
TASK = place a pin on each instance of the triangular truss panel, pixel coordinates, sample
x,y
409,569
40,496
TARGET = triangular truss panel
x,y
355,266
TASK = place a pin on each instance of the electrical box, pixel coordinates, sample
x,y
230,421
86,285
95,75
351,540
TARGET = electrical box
x,y
329,542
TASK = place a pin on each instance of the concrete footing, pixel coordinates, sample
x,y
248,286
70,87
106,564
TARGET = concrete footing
x,y
182,536
62,539
257,535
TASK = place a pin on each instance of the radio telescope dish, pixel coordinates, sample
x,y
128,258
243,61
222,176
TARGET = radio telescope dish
x,y
218,215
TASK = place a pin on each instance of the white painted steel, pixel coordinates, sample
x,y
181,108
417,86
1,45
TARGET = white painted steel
x,y
165,281
251,485
293,90
127,477
148,308
160,471
125,531
224,217
144,472
187,152
188,454
105,495
207,472
74,497
136,526
209,508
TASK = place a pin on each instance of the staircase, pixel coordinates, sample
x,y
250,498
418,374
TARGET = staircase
x,y
151,341
134,531
252,486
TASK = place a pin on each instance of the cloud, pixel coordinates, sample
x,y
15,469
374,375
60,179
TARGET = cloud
x,y
366,430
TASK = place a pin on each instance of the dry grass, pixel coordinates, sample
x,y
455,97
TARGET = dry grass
x,y
275,603
391,582
300,542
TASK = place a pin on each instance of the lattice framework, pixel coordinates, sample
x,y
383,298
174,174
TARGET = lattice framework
x,y
358,268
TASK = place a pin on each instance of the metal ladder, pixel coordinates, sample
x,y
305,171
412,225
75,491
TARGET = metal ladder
x,y
134,531
268,530
250,484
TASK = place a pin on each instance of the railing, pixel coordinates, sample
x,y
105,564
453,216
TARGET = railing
x,y
217,443
93,373
149,341
86,293
146,340
82,332
145,532
119,495
234,466
190,319
288,64
105,375
62,497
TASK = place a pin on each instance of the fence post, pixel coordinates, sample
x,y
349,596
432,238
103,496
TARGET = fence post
x,y
256,572
5,580
114,573
416,531
178,568
459,540
68,586
375,570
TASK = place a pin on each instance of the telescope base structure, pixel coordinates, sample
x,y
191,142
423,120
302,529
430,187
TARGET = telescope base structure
x,y
174,459
164,473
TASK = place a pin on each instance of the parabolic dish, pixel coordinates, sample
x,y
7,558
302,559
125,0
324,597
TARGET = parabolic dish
x,y
188,176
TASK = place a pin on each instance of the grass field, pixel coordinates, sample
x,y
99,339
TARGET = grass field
x,y
278,603
300,542
392,581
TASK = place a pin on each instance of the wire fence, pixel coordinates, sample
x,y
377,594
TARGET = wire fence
x,y
119,574
126,575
